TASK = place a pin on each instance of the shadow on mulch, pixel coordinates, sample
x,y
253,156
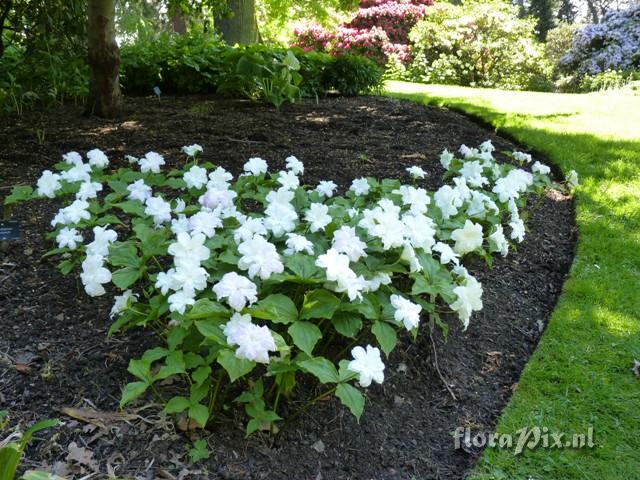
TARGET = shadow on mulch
x,y
58,335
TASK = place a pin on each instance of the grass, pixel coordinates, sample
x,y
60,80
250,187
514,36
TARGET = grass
x,y
580,373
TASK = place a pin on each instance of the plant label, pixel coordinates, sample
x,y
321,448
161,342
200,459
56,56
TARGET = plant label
x,y
9,230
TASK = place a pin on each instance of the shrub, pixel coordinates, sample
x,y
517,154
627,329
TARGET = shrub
x,y
613,44
609,80
481,44
254,283
352,74
378,30
559,41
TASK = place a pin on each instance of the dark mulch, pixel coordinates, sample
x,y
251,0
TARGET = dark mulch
x,y
60,334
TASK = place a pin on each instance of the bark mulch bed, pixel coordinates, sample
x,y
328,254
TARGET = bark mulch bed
x,y
54,351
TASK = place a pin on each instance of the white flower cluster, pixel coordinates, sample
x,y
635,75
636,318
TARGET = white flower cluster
x,y
369,244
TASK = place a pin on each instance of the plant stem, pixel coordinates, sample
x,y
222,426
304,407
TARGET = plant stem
x,y
213,398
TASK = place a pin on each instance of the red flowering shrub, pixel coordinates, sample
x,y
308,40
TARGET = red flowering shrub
x,y
379,29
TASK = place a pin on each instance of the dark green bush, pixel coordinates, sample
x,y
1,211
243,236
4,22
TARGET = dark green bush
x,y
352,74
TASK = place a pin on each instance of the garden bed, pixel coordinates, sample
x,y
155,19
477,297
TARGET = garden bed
x,y
54,351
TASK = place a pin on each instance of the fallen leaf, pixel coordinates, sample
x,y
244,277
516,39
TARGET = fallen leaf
x,y
100,419
82,456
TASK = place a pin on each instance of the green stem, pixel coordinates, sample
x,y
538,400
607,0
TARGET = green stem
x,y
306,407
213,398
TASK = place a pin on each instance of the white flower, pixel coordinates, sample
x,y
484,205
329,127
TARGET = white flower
x,y
464,192
140,191
80,172
250,227
416,172
255,343
180,206
448,200
122,302
190,277
384,223
131,159
379,279
219,179
282,195
159,209
318,217
259,257
466,152
572,179
487,146
409,256
295,165
345,240
469,300
540,168
68,237
335,263
256,166
406,312
447,255
205,222
517,181
326,188
218,199
360,186
76,212
165,281
238,290
48,184
472,173
517,229
499,242
102,238
522,157
280,218
189,249
420,231
417,198
368,364
180,300
89,190
192,150
94,275
468,238
151,162
97,158
288,180
445,159
297,243
233,328
196,177
72,158
479,203
180,224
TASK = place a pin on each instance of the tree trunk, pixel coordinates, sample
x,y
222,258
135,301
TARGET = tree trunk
x,y
593,11
242,26
104,60
4,13
179,24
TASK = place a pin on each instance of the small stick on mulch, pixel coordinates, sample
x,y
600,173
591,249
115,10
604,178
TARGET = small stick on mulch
x,y
435,361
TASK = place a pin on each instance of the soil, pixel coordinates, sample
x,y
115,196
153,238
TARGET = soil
x,y
54,350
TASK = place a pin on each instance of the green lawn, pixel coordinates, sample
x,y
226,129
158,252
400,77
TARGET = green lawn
x,y
580,374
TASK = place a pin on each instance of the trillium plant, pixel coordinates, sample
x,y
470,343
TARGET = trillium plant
x,y
252,283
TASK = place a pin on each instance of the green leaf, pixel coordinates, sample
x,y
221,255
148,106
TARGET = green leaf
x,y
235,367
132,391
347,324
302,265
206,308
19,194
174,365
176,405
278,308
321,368
200,451
125,277
305,335
369,307
386,336
319,304
199,413
211,331
132,207
124,255
351,398
140,368
9,459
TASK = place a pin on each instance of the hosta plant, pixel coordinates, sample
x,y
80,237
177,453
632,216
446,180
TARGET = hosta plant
x,y
254,282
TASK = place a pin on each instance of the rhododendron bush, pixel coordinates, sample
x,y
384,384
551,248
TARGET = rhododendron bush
x,y
379,30
253,282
